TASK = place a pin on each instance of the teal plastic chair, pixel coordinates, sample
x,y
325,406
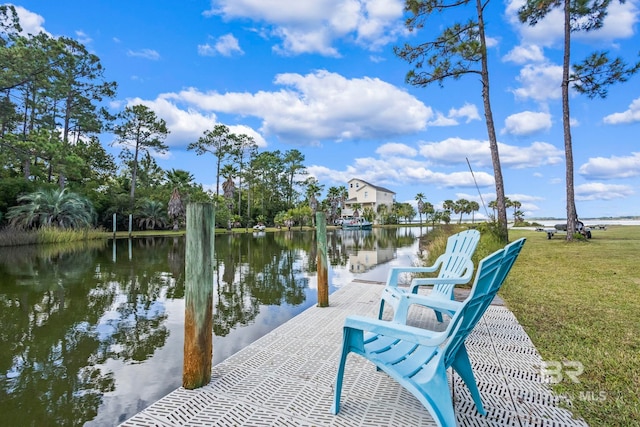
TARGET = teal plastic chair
x,y
454,267
417,358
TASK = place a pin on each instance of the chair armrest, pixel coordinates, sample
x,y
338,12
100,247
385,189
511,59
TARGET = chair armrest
x,y
468,273
433,303
422,281
394,272
396,330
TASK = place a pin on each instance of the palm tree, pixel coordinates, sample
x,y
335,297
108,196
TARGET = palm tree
x,y
176,208
516,205
369,214
493,205
461,207
52,208
151,214
473,208
383,212
508,203
356,208
448,206
333,199
419,198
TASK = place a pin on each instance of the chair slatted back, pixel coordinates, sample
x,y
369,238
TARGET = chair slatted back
x,y
492,271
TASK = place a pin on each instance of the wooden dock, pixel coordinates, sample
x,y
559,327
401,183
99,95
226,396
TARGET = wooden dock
x,y
286,378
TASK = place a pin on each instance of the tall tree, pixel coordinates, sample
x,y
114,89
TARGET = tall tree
x,y
217,142
140,130
77,87
313,189
242,146
459,50
294,167
591,77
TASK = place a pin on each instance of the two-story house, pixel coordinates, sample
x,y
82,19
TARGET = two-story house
x,y
366,195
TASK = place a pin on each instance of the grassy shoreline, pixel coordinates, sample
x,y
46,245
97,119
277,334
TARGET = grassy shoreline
x,y
580,304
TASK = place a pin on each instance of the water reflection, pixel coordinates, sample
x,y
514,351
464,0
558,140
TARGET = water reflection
x,y
92,333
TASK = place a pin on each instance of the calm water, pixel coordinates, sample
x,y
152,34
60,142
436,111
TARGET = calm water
x,y
92,334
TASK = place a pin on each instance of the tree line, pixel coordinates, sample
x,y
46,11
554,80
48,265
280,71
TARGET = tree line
x,y
56,171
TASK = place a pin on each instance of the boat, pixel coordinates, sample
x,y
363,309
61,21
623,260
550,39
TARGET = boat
x,y
358,223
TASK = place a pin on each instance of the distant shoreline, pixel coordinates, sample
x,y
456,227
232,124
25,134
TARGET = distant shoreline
x,y
589,221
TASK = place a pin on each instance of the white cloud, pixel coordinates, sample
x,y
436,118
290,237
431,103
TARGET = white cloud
x,y
187,126
454,151
441,121
83,37
144,53
396,171
468,111
527,123
600,191
546,32
396,149
225,45
523,54
611,167
312,27
319,106
631,115
619,23
539,82
31,23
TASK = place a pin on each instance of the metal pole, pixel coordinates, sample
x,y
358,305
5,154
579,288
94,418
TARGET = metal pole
x,y
198,322
114,226
323,283
130,224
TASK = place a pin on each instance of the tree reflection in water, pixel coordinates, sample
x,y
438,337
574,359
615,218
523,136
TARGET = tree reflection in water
x,y
66,311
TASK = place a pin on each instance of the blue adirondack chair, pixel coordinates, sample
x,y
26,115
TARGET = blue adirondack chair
x,y
418,358
454,267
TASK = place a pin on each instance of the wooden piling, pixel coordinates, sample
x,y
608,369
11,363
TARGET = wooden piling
x,y
198,322
323,276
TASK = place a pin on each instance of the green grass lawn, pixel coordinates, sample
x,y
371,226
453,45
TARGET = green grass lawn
x,y
580,302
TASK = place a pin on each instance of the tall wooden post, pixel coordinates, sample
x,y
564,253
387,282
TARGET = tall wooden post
x,y
323,277
114,226
198,319
130,224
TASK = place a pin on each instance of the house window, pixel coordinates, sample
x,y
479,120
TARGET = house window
x,y
357,184
350,185
366,194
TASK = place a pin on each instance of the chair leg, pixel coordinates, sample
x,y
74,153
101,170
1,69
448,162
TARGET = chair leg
x,y
347,341
436,397
462,365
381,309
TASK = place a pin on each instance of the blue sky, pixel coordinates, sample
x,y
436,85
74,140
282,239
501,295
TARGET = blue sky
x,y
320,76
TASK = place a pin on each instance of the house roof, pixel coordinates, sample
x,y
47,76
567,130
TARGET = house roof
x,y
374,186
